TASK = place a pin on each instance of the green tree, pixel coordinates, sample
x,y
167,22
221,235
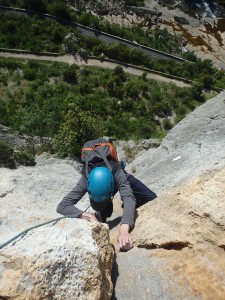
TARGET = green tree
x,y
78,126
34,122
120,73
167,125
207,81
70,75
6,156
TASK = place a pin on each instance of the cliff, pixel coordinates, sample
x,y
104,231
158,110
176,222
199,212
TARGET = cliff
x,y
178,238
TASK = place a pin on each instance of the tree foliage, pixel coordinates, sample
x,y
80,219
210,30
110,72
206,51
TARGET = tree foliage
x,y
77,127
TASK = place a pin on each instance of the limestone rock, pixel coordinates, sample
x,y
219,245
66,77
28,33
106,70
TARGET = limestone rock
x,y
181,20
192,147
69,260
29,195
18,141
179,237
129,149
183,241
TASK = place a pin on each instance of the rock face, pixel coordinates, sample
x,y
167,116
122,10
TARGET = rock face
x,y
189,224
179,238
29,195
18,141
200,23
192,147
179,245
69,260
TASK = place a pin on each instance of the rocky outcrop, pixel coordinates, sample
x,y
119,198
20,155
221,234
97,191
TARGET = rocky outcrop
x,y
68,260
192,147
18,141
200,23
29,195
179,237
129,149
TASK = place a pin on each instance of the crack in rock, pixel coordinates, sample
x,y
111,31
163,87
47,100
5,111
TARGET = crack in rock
x,y
215,117
222,246
3,194
206,216
167,246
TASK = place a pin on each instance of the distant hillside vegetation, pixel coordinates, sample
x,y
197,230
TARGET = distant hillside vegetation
x,y
69,104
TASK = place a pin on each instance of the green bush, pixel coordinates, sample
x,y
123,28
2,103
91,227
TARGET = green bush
x,y
24,158
167,125
70,75
6,156
78,127
134,2
11,159
29,74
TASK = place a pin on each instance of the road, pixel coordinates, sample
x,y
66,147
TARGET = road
x,y
97,63
106,37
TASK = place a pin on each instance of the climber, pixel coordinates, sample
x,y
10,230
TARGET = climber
x,y
105,177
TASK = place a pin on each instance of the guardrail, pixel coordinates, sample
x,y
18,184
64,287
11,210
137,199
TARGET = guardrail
x,y
97,33
18,51
144,69
52,54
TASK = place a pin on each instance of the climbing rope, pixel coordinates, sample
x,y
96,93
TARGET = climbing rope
x,y
28,229
33,227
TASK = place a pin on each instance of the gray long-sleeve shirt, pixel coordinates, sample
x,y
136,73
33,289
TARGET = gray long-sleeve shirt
x,y
67,206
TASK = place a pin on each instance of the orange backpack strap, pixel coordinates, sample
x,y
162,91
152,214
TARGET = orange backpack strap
x,y
94,150
112,151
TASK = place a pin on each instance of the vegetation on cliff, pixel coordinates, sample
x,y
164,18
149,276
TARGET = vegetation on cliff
x,y
69,104
36,34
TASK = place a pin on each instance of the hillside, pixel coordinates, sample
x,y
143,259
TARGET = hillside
x,y
180,235
49,107
178,238
200,24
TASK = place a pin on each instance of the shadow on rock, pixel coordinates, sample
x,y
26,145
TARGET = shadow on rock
x,y
115,275
114,223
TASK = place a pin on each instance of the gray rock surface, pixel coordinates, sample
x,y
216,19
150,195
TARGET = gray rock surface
x,y
192,147
68,260
148,280
29,195
18,141
180,235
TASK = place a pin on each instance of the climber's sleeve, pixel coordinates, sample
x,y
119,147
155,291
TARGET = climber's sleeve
x,y
66,206
127,196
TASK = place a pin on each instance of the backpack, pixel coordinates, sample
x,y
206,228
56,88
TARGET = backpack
x,y
97,152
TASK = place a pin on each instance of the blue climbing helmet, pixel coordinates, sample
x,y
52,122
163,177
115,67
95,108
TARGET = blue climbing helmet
x,y
100,187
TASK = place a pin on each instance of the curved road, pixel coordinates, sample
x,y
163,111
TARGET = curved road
x,y
97,63
106,37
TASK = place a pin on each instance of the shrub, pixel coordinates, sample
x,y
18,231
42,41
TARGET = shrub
x,y
24,158
70,75
29,74
167,125
6,156
11,159
78,127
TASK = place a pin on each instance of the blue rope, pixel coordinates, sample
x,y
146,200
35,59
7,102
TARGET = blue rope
x,y
33,227
28,229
